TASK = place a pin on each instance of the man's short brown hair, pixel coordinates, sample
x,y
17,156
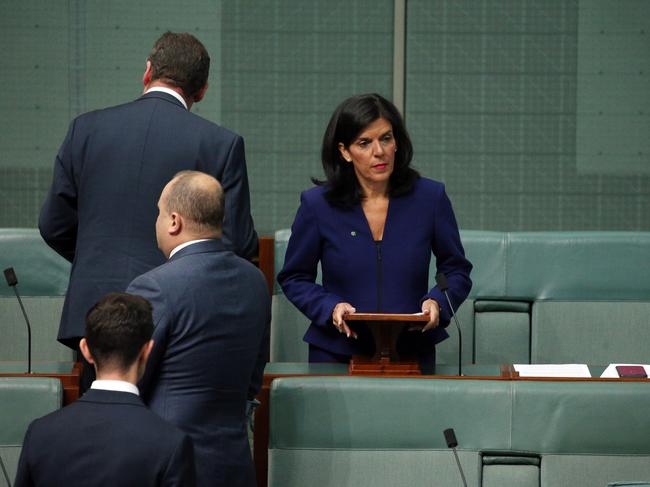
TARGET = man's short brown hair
x,y
117,327
179,59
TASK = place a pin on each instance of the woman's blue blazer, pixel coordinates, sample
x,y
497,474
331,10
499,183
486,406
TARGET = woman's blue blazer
x,y
390,276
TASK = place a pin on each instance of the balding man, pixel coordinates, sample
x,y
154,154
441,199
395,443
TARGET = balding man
x,y
211,315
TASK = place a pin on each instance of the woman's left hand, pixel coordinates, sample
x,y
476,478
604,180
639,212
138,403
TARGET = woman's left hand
x,y
430,307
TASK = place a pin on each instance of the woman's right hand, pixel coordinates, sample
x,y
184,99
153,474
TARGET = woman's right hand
x,y
340,310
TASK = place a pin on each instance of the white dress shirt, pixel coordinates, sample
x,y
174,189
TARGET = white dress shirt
x,y
115,385
169,92
186,244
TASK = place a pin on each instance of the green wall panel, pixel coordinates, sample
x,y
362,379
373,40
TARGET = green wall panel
x,y
286,66
494,94
503,98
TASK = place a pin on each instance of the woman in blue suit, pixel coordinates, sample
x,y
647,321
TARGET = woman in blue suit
x,y
372,225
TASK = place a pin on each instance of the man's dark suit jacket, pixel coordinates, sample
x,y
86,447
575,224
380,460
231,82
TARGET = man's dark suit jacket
x,y
101,210
105,438
211,314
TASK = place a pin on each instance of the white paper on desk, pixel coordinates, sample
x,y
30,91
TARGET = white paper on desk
x,y
552,370
611,373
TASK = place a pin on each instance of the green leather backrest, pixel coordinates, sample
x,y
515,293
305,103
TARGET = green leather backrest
x,y
24,399
40,270
519,416
530,266
487,253
591,266
367,413
581,417
42,282
44,313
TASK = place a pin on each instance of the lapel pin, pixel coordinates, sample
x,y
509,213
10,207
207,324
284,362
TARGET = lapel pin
x,y
353,233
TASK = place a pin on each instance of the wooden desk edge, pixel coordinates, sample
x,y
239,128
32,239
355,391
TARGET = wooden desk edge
x,y
69,381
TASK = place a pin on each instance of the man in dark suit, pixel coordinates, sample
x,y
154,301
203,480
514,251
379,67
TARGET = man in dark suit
x,y
112,166
108,436
211,315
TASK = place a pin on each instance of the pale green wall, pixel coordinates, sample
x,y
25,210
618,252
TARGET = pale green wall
x,y
509,102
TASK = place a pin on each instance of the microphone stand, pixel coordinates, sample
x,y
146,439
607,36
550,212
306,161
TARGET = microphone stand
x,y
10,276
460,338
452,442
29,333
441,281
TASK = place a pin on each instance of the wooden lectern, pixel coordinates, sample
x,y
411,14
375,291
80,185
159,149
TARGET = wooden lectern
x,y
385,328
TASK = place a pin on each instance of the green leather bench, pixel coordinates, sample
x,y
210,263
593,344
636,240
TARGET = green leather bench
x,y
332,431
23,399
42,283
537,297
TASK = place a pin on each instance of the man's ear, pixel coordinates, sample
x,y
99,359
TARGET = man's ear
x,y
146,351
176,224
199,96
83,346
146,77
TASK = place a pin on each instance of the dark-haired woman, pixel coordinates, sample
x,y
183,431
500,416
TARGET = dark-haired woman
x,y
372,225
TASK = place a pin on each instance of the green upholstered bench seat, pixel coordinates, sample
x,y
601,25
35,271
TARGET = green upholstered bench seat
x,y
42,282
40,270
23,399
538,297
372,431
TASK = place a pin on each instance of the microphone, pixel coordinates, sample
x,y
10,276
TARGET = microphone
x,y
450,438
441,282
12,280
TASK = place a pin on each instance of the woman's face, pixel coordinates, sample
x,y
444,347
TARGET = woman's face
x,y
372,153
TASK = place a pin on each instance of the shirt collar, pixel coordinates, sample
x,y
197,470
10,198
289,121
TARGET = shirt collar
x,y
186,244
169,92
115,385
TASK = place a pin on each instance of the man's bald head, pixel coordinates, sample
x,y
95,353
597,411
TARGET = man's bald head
x,y
198,198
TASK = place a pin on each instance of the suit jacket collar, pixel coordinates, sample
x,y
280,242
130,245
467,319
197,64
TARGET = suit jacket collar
x,y
163,96
212,245
111,397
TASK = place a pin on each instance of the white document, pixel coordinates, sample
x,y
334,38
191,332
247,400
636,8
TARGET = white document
x,y
552,370
611,373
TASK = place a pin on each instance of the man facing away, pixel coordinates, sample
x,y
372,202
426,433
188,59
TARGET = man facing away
x,y
108,436
211,315
110,170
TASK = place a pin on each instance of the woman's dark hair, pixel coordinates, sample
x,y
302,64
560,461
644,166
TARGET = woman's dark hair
x,y
348,120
